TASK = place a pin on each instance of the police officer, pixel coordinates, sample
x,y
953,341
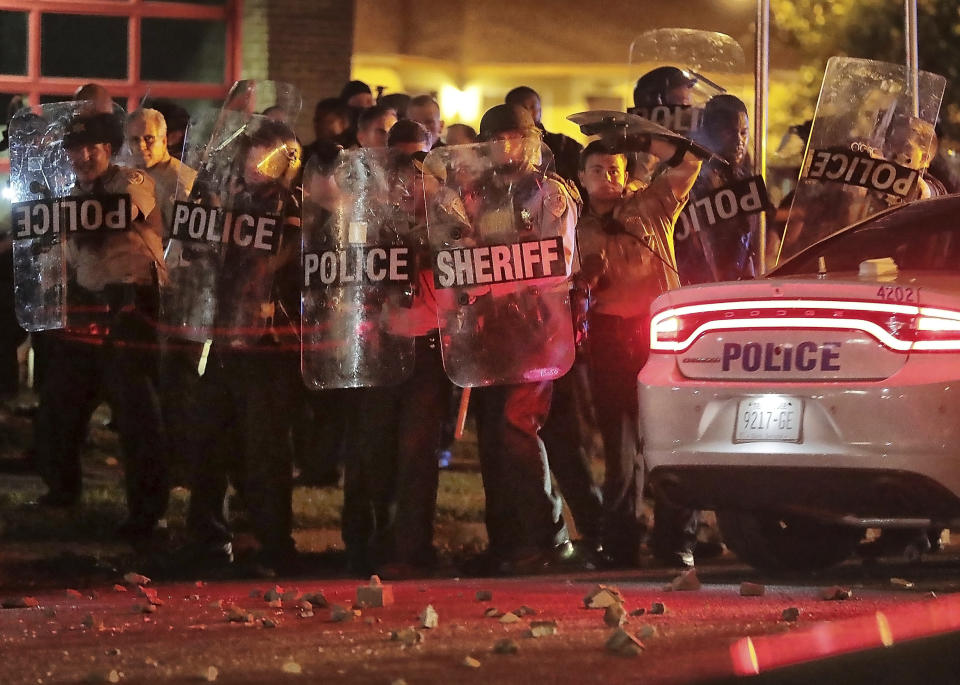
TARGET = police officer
x,y
524,515
626,259
324,421
251,388
566,151
393,472
725,131
147,139
665,85
117,274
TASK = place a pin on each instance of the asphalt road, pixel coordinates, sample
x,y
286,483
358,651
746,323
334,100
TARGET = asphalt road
x,y
103,634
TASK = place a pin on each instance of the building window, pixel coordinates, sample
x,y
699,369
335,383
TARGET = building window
x,y
83,46
13,47
183,50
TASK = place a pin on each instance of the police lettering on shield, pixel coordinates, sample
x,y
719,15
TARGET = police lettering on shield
x,y
357,265
845,166
70,215
198,223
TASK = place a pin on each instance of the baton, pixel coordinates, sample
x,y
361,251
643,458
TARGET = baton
x,y
462,414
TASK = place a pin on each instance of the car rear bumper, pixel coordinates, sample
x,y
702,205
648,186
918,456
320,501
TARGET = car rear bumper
x,y
866,449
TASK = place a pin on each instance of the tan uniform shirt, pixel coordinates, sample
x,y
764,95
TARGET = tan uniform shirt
x,y
640,262
124,256
173,180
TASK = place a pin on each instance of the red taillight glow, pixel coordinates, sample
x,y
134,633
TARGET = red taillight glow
x,y
903,328
937,329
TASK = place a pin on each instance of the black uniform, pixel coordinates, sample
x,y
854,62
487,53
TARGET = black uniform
x,y
566,153
250,391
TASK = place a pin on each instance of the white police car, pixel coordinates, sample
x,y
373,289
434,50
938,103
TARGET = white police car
x,y
819,401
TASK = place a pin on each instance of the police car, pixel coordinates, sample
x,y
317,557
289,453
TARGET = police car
x,y
819,401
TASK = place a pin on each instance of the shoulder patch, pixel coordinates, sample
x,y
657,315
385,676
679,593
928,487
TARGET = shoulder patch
x,y
555,203
134,176
567,185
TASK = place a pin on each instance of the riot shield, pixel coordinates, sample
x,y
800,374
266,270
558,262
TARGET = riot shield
x,y
78,218
867,151
188,305
362,244
275,99
628,132
714,232
710,64
501,231
227,241
706,60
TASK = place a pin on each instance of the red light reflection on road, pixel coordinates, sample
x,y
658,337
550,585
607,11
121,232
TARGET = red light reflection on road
x,y
753,655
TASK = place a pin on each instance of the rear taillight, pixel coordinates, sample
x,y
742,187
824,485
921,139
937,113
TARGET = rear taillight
x,y
936,330
903,328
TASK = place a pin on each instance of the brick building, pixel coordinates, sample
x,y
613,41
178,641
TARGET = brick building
x,y
574,53
189,51
304,42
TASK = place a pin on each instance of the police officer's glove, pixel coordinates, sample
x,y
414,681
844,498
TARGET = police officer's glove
x,y
579,310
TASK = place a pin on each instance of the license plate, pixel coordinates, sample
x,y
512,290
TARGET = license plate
x,y
768,418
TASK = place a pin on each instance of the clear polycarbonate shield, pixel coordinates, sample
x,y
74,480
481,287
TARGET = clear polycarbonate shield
x,y
39,169
189,303
709,63
714,237
501,233
227,240
275,99
363,243
629,133
60,231
868,149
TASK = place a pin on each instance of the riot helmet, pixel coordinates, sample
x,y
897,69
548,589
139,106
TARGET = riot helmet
x,y
663,86
272,154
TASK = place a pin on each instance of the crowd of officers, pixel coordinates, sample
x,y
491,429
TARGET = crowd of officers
x,y
247,416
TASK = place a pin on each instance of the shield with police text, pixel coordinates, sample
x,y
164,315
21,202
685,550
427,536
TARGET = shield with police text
x,y
501,230
234,238
629,134
679,71
714,232
81,227
704,63
364,244
871,141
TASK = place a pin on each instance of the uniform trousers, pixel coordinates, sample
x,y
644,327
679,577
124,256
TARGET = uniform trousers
x,y
179,387
618,350
122,368
563,436
391,476
524,515
245,405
